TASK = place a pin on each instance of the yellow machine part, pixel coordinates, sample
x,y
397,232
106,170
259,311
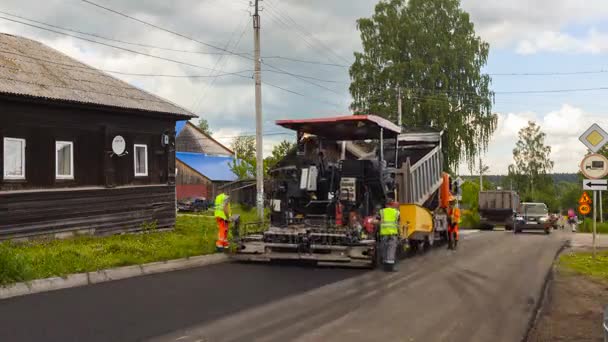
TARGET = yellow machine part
x,y
416,222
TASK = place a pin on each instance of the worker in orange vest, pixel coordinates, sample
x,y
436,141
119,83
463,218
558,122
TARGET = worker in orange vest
x,y
453,223
222,217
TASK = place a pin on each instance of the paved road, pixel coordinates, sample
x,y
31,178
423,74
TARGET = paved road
x,y
486,291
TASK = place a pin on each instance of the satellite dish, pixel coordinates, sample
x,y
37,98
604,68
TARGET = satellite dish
x,y
118,145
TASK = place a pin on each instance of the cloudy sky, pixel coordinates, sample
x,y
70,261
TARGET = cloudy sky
x,y
567,39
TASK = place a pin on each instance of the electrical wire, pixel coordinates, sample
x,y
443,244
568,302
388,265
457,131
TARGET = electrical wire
x,y
303,30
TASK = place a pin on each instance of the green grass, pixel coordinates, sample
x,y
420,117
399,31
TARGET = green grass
x,y
193,235
587,227
583,263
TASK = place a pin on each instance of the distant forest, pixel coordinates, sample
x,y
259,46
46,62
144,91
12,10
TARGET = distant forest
x,y
557,178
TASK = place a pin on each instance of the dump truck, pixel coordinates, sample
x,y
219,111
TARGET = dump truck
x,y
497,207
325,194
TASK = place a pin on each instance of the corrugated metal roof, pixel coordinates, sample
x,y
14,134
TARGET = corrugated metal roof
x,y
179,126
216,168
30,68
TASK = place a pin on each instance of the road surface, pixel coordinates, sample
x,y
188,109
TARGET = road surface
x,y
486,291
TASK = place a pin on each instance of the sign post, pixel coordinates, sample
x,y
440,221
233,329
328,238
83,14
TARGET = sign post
x,y
595,167
594,220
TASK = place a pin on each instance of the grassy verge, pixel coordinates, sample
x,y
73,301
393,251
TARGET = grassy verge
x,y
193,235
583,263
587,227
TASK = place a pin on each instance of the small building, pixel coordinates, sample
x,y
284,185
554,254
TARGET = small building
x,y
203,163
81,150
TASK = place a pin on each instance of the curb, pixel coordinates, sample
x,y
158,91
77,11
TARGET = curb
x,y
111,274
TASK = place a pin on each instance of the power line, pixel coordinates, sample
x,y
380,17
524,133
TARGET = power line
x,y
210,85
161,28
276,18
113,39
550,73
306,61
302,29
166,59
86,69
112,46
206,44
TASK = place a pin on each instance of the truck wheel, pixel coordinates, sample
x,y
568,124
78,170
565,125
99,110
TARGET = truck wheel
x,y
429,241
508,227
413,247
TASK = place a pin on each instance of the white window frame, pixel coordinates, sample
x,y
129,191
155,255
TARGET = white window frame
x,y
71,175
13,177
135,146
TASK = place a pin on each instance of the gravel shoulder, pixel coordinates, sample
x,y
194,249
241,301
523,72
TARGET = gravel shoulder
x,y
573,309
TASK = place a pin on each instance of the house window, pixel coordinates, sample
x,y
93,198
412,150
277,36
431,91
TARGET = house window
x,y
141,160
14,158
64,160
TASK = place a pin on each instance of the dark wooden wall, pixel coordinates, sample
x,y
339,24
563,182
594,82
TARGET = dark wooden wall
x,y
104,196
106,211
92,131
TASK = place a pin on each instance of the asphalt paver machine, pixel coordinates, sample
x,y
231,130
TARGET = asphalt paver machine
x,y
325,194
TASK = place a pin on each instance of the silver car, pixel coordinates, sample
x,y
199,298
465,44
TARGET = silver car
x,y
532,216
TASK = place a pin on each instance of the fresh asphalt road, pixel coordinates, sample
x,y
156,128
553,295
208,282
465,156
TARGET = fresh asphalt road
x,y
486,291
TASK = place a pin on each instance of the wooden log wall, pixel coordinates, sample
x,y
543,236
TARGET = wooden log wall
x,y
99,210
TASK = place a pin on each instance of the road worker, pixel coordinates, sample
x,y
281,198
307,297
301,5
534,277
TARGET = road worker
x,y
453,223
389,234
222,217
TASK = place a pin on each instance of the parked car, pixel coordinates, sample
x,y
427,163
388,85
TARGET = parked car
x,y
532,216
193,205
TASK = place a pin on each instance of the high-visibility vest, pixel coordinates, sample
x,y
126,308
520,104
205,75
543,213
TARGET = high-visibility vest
x,y
389,224
220,202
455,215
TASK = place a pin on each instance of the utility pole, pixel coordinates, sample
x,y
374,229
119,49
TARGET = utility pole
x,y
258,115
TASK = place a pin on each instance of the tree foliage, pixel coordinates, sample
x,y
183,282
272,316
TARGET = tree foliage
x,y
204,126
279,152
531,156
429,49
244,166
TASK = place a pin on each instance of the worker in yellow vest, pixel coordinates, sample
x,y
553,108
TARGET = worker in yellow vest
x,y
389,234
453,223
222,217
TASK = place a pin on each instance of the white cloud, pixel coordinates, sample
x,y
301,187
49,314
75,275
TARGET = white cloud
x,y
504,23
562,128
550,41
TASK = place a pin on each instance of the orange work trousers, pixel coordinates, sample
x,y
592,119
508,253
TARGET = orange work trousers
x,y
222,233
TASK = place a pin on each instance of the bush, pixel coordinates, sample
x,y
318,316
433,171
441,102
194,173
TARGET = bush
x,y
470,218
587,227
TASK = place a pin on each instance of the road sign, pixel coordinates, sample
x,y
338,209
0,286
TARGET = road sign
x,y
584,209
595,184
585,199
594,166
594,138
459,181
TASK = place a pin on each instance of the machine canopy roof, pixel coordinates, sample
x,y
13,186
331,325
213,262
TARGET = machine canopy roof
x,y
352,127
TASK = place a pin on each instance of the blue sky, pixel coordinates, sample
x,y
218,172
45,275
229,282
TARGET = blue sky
x,y
526,36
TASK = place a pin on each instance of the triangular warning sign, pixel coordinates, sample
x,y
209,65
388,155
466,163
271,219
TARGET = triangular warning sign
x,y
585,199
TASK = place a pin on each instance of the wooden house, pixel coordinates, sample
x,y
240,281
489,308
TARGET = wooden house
x,y
203,163
82,151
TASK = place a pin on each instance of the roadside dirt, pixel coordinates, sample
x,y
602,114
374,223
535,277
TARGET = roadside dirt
x,y
573,310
